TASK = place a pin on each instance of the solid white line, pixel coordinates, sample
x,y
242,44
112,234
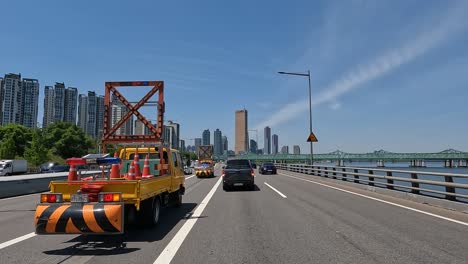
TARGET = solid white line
x,y
171,249
382,201
190,177
274,189
16,240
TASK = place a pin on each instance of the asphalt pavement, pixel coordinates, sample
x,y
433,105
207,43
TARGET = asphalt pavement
x,y
288,218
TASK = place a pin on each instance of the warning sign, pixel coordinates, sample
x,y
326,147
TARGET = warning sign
x,y
312,138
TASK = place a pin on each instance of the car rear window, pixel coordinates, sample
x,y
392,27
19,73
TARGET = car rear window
x,y
238,164
267,164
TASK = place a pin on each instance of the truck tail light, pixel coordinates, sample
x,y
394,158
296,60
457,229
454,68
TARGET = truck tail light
x,y
51,198
252,172
109,197
222,173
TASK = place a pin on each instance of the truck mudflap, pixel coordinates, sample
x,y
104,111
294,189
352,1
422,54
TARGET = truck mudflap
x,y
79,218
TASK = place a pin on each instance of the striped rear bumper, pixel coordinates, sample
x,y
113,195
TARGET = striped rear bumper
x,y
92,218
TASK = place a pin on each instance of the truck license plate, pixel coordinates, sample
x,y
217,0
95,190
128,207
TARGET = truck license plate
x,y
79,198
238,184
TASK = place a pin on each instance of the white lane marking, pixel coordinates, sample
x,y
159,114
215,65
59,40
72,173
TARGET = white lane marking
x,y
171,249
191,176
382,201
274,189
17,240
78,259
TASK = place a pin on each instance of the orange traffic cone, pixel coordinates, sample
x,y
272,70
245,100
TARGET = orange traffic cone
x,y
115,169
131,172
146,169
136,164
72,175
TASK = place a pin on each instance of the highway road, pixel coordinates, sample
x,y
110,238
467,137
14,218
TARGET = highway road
x,y
289,218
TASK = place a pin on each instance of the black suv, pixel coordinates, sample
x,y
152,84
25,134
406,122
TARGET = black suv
x,y
267,167
238,172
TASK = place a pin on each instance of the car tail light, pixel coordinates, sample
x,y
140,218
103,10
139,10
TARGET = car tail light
x,y
110,197
51,198
252,172
222,173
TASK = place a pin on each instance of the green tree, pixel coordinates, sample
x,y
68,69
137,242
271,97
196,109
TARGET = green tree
x,y
37,153
67,140
20,135
8,148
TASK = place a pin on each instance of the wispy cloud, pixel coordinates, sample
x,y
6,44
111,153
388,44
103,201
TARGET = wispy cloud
x,y
452,23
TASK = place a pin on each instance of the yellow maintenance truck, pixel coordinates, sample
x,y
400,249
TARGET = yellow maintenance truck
x,y
132,191
205,166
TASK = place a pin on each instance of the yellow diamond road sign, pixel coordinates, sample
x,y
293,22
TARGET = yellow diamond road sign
x,y
312,138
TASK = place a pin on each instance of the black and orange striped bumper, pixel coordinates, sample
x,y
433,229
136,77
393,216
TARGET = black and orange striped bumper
x,y
92,218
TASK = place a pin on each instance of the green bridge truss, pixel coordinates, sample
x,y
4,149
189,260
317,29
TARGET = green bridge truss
x,y
449,154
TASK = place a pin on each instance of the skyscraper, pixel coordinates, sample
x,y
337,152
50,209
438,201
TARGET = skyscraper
x,y
198,142
12,98
296,150
253,146
82,112
242,138
59,102
206,137
267,141
48,117
91,114
285,150
119,110
30,89
218,142
275,147
176,139
182,145
225,144
69,105
169,135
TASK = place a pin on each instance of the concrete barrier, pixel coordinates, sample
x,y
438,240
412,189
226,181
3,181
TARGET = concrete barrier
x,y
31,183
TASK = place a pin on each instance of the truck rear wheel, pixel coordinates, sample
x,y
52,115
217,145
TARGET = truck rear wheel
x,y
178,199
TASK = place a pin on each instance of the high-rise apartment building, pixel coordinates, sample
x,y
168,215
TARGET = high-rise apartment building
x,y
198,142
169,135
241,132
176,139
206,137
12,96
225,144
296,150
91,114
48,117
118,110
267,141
182,145
253,146
69,105
60,104
218,142
18,100
30,102
275,147
285,150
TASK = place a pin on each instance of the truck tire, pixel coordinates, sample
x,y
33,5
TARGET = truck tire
x,y
178,199
155,211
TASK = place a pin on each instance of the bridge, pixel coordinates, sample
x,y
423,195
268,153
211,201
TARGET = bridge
x,y
295,216
450,157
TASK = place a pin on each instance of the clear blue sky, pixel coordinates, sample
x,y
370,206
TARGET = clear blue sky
x,y
385,74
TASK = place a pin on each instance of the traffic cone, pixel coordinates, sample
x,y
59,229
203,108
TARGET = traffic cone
x,y
72,175
115,169
131,172
136,164
146,169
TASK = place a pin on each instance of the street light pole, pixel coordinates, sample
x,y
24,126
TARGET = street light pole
x,y
310,108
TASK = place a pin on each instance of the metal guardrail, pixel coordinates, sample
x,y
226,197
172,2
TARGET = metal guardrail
x,y
388,178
